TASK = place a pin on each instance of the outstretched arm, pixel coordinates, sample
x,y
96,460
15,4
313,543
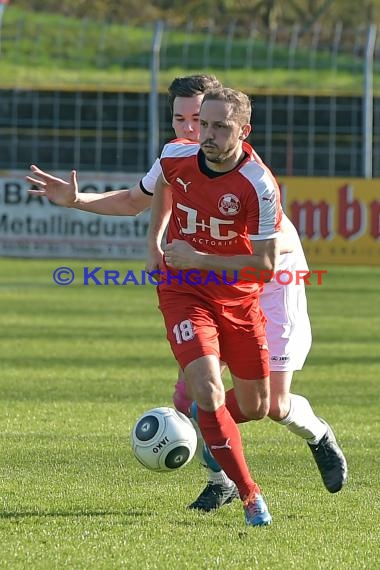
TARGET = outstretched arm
x,y
128,202
161,208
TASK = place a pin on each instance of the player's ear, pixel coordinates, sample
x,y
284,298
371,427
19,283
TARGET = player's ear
x,y
245,130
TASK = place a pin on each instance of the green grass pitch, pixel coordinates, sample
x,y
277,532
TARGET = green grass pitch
x,y
80,363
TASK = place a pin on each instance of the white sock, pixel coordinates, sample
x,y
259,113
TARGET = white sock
x,y
219,478
302,421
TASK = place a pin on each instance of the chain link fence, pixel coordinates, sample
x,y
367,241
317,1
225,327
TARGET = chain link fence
x,y
316,94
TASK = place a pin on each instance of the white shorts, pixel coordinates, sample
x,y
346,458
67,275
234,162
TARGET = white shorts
x,y
288,326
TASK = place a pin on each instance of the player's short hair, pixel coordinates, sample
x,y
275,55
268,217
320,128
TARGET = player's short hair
x,y
190,86
240,102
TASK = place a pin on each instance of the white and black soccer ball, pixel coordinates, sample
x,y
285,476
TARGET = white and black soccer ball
x,y
164,439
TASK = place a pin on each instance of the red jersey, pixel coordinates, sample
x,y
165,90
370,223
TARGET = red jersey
x,y
218,213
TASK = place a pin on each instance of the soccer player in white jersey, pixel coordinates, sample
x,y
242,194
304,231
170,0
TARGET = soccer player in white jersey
x,y
285,307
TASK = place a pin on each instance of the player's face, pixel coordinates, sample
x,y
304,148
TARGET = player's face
x,y
220,134
186,117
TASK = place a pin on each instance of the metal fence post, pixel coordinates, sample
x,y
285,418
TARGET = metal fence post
x,y
368,102
154,122
2,9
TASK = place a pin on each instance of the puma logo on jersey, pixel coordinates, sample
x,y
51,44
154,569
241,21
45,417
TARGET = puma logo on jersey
x,y
224,446
183,184
268,199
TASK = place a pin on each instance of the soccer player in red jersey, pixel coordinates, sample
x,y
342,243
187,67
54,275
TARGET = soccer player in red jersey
x,y
225,216
285,307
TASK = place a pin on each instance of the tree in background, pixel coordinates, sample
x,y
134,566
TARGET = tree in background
x,y
264,13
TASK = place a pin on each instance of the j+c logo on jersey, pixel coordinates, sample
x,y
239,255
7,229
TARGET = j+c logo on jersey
x,y
217,228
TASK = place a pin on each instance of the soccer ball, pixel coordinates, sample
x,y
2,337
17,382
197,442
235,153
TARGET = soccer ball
x,y
164,439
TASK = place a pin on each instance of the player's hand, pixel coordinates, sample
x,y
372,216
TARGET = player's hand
x,y
55,189
180,255
155,263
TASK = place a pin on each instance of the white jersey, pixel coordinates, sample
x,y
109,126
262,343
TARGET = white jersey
x,y
148,182
285,306
289,262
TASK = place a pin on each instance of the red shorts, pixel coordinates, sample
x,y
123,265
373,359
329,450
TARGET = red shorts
x,y
236,335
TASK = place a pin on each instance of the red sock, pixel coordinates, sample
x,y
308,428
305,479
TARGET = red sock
x,y
233,407
222,436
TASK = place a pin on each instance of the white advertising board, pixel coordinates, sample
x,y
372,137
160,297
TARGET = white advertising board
x,y
31,226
